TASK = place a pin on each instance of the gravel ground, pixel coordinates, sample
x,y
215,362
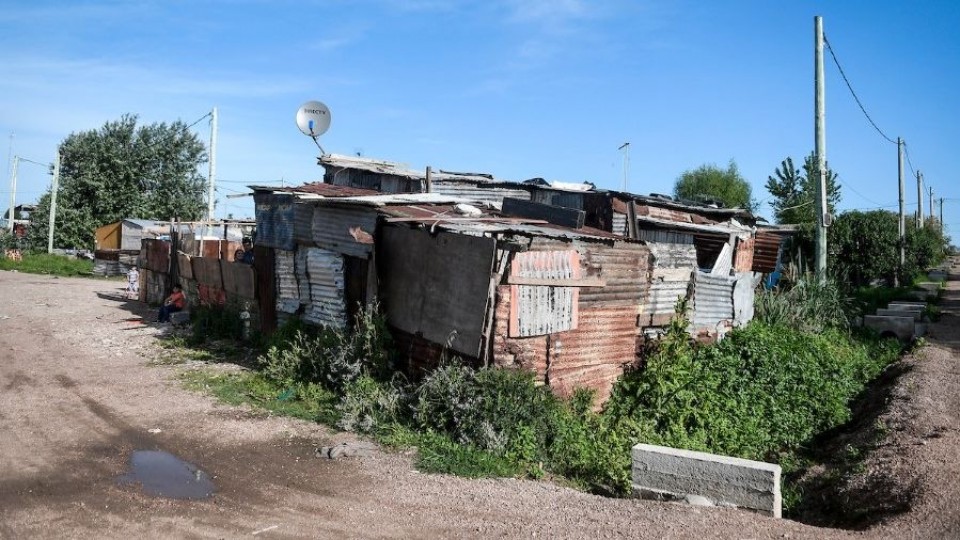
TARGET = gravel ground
x,y
79,393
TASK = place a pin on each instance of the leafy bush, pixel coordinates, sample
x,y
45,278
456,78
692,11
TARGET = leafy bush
x,y
215,323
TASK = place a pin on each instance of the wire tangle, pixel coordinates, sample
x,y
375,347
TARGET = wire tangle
x,y
850,87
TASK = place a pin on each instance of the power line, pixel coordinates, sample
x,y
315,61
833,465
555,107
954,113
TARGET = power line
x,y
857,99
906,152
862,196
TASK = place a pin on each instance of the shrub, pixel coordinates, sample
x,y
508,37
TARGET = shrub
x,y
810,304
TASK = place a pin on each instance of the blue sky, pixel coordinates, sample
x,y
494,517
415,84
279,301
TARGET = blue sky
x,y
517,88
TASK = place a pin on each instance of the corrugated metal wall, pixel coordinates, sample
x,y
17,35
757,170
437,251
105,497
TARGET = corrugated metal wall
x,y
541,310
325,271
766,250
712,300
619,224
303,223
288,288
274,220
336,229
479,193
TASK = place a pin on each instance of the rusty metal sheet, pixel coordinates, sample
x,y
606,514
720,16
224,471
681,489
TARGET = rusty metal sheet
x,y
540,310
324,270
766,252
346,230
211,296
437,285
206,270
238,280
190,291
743,255
287,285
666,286
712,300
185,266
157,255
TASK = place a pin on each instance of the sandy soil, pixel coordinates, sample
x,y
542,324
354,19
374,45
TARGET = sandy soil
x,y
79,393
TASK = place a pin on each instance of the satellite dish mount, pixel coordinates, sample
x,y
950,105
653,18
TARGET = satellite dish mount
x,y
313,119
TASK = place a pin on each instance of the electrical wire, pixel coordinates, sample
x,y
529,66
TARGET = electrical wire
x,y
906,152
850,87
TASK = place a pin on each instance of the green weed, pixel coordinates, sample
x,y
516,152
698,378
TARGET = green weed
x,y
45,263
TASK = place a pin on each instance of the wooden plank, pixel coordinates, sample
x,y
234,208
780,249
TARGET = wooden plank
x,y
558,215
559,282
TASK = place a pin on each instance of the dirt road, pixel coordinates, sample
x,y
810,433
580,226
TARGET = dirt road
x,y
79,394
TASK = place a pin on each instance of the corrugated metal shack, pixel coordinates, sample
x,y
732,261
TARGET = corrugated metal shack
x,y
693,245
494,289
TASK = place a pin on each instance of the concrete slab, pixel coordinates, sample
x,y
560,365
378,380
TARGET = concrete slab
x,y
661,472
903,327
904,304
916,313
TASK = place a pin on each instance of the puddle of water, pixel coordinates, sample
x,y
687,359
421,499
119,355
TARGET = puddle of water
x,y
163,474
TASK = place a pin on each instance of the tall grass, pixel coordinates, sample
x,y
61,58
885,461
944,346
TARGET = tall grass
x,y
809,305
45,263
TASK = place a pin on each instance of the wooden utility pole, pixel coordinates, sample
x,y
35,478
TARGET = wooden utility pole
x,y
920,200
903,225
53,202
821,146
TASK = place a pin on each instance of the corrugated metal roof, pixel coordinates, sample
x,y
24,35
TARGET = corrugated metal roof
x,y
317,188
721,228
392,199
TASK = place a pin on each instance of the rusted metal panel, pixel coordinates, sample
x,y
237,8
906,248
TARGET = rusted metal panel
x,y
346,230
157,255
712,300
238,279
287,285
671,249
324,270
206,270
190,291
210,295
436,286
540,310
766,251
185,265
303,223
743,256
274,214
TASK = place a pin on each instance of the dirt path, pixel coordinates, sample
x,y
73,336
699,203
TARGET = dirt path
x,y
78,394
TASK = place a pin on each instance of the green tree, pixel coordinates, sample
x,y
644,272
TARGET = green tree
x,y
865,246
794,192
709,183
121,171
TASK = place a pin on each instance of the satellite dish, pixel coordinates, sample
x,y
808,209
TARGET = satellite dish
x,y
313,119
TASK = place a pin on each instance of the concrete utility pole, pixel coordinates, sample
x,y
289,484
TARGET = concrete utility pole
x,y
931,200
903,224
212,177
920,200
53,202
821,146
13,191
626,164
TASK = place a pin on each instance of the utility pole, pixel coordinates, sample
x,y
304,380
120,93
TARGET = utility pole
x,y
13,191
821,146
212,177
626,164
53,202
931,200
903,224
941,216
920,201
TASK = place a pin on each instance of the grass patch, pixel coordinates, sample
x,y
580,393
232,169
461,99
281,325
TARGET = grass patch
x,y
49,264
308,402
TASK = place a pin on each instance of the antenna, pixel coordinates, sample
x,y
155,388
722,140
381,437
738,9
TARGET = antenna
x,y
313,119
626,163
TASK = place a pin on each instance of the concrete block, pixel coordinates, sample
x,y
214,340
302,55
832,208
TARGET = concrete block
x,y
916,314
929,287
901,326
660,472
904,305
